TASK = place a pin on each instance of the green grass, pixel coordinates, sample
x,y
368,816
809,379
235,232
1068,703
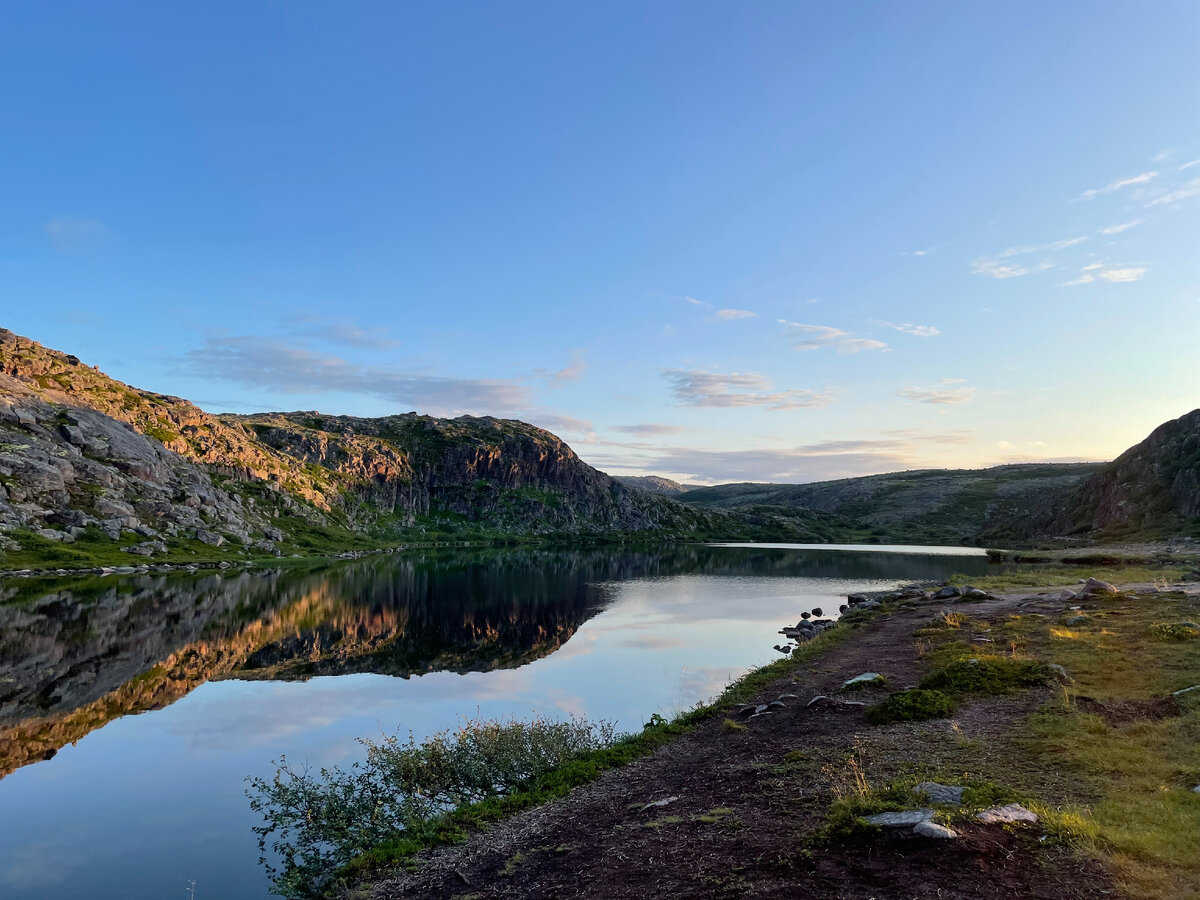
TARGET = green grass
x,y
1135,774
911,706
960,669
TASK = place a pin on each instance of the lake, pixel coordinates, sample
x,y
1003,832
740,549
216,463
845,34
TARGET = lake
x,y
133,708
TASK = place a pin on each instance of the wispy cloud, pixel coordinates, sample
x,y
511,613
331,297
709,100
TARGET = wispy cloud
x,y
1161,155
274,365
1108,272
908,328
71,235
648,429
1132,273
1000,266
1124,226
1118,184
945,392
736,314
700,303
818,337
1188,190
736,389
1188,165
342,332
572,371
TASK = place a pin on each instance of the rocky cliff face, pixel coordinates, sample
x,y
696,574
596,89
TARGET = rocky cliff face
x,y
1151,490
83,456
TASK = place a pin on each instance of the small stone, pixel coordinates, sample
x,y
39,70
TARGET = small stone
x,y
908,818
656,804
934,830
1008,814
1078,620
788,697
820,698
777,704
1096,586
941,794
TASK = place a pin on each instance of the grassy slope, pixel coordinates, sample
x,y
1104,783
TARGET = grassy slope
x,y
949,506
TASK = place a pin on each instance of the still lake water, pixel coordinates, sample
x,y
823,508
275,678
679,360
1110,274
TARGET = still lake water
x,y
132,709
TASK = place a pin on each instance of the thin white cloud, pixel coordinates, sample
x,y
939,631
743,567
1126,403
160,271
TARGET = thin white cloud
x,y
1191,189
1133,273
273,365
700,303
1000,267
1124,226
649,429
1082,279
572,371
561,425
714,389
945,392
1188,165
730,314
1117,185
1161,155
908,328
818,337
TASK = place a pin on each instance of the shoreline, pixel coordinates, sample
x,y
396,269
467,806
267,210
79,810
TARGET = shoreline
x,y
697,765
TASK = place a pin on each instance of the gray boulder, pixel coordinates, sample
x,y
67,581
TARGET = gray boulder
x,y
906,819
941,794
934,830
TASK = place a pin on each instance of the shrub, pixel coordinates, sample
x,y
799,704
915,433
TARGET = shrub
x,y
986,674
318,822
911,706
1175,631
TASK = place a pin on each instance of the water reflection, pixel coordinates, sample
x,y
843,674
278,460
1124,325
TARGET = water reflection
x,y
240,667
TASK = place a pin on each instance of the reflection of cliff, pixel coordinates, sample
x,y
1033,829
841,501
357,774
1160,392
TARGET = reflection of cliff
x,y
76,659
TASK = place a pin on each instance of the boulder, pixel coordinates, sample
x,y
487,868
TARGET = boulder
x,y
864,679
204,536
947,592
941,794
1010,813
934,830
1095,586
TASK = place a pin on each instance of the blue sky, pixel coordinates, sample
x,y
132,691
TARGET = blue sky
x,y
760,241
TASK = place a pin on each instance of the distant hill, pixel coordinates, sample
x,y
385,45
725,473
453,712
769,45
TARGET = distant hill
x,y
1151,491
931,505
654,484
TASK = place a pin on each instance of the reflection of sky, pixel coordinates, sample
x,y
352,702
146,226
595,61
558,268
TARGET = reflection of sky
x,y
140,806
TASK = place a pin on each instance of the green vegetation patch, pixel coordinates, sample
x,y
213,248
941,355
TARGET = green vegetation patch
x,y
967,671
1175,631
911,706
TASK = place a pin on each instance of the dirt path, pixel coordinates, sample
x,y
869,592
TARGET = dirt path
x,y
747,799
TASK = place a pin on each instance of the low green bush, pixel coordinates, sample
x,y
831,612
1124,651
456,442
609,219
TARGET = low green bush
x,y
911,706
986,674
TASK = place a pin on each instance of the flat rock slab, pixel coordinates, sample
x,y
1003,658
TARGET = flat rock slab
x,y
1008,814
941,794
905,819
864,678
934,830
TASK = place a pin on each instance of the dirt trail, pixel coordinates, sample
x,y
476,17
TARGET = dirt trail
x,y
737,828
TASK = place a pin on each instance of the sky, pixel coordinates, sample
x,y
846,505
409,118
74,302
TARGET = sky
x,y
767,241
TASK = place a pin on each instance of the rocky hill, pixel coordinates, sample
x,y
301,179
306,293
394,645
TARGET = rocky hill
x,y
654,484
91,469
1151,491
931,506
